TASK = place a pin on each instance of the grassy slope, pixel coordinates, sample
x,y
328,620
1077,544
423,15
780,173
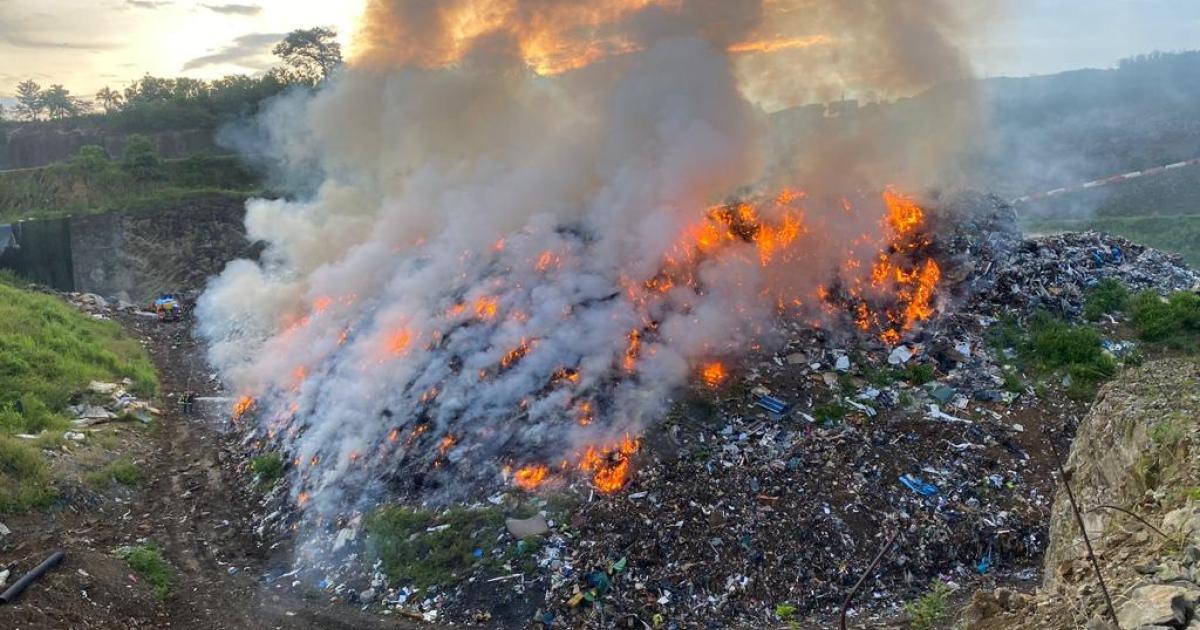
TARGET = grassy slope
x,y
49,352
66,189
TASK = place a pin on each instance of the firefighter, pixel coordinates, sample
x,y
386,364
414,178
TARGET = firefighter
x,y
187,400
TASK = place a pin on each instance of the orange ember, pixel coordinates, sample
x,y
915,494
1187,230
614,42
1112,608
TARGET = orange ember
x,y
322,303
631,351
398,342
242,407
514,355
529,478
447,443
610,466
485,308
713,375
904,215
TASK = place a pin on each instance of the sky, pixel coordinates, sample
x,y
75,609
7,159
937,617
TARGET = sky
x,y
87,44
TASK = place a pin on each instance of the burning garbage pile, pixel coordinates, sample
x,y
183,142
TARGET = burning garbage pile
x,y
493,390
732,504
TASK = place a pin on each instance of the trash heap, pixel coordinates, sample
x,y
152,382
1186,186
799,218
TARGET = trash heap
x,y
766,497
111,402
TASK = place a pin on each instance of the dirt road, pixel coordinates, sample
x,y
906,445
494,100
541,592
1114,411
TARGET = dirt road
x,y
192,504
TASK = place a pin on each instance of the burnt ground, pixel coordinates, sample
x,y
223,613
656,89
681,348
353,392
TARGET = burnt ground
x,y
192,503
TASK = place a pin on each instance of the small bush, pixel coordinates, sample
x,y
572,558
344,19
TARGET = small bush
x,y
268,467
1056,346
121,471
91,159
410,553
1108,296
23,477
1166,320
141,158
930,609
785,612
919,374
148,562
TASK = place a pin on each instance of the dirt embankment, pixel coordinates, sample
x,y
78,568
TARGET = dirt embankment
x,y
1135,451
192,504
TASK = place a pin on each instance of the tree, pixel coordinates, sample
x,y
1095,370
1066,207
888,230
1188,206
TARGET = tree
x,y
91,158
29,100
58,102
313,53
141,159
109,99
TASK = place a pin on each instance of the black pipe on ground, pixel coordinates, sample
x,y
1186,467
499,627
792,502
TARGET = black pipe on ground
x,y
18,587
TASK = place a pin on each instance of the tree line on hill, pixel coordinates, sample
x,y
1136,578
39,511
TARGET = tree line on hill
x,y
308,56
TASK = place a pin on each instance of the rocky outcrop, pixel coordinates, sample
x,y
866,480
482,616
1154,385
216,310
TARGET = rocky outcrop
x,y
134,256
1135,450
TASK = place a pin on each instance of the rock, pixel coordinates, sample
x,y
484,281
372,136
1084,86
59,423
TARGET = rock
x,y
367,596
942,393
1099,623
1185,521
4,576
842,364
106,389
344,535
900,355
1157,605
4,530
796,358
524,528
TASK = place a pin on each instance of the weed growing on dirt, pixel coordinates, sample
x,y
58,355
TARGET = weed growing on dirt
x,y
122,471
930,609
24,482
1055,346
425,548
1174,321
1108,296
268,467
48,353
148,562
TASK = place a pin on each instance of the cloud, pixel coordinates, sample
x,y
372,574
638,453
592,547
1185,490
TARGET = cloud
x,y
234,9
148,4
249,51
17,40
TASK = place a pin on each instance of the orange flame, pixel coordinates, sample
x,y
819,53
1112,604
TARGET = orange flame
x,y
610,466
530,478
399,342
242,407
713,375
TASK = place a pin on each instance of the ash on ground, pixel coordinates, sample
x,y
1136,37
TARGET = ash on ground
x,y
764,497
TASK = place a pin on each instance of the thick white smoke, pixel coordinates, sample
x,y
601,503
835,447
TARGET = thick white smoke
x,y
478,281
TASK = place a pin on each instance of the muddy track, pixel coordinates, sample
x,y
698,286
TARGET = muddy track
x,y
194,504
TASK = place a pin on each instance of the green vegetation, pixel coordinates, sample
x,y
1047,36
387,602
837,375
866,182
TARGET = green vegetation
x,y
1108,296
122,471
1056,346
91,183
919,374
268,467
930,610
830,413
1052,347
148,562
1174,321
48,353
24,478
425,548
149,104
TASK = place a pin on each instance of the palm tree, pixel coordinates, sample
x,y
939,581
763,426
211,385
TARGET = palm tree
x,y
109,99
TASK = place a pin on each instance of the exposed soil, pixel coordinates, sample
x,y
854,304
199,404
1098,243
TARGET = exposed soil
x,y
193,504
